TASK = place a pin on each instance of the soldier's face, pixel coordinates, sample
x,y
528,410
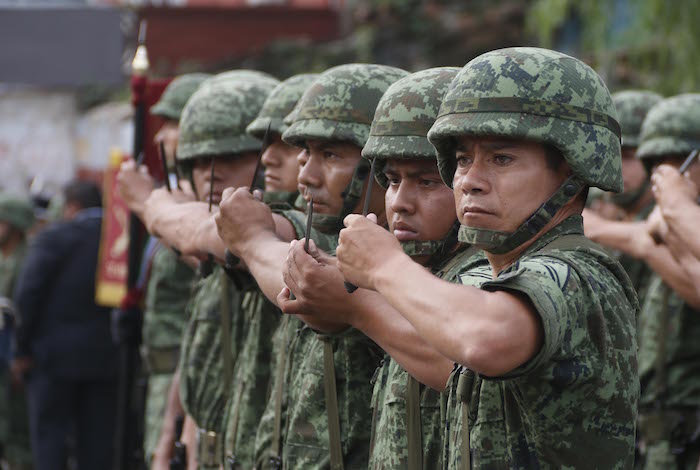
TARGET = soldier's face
x,y
633,172
499,183
168,134
281,166
326,169
233,170
419,206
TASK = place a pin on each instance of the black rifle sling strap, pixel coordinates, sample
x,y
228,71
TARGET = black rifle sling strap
x,y
329,386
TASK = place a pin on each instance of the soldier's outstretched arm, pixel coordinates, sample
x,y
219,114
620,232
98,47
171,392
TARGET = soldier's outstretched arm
x,y
634,239
250,231
324,304
491,333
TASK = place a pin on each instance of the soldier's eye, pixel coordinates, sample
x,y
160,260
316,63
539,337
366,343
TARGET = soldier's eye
x,y
464,161
502,159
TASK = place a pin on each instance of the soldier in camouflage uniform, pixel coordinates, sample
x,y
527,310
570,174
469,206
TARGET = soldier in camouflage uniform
x,y
303,425
212,133
16,218
169,280
406,425
636,201
543,324
251,372
669,353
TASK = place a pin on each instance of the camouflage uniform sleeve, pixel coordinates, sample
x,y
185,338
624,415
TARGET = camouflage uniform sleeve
x,y
549,284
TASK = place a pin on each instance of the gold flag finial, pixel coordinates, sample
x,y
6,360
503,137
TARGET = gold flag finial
x,y
140,64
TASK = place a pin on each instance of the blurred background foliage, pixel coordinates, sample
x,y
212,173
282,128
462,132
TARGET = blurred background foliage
x,y
652,44
649,44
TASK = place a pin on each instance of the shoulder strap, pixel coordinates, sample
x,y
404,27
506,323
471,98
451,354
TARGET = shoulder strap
x,y
464,391
571,242
279,392
413,425
331,393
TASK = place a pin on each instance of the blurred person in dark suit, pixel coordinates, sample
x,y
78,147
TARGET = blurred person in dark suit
x,y
64,348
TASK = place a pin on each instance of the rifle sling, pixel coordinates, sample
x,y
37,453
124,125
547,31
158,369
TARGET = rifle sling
x,y
331,393
413,425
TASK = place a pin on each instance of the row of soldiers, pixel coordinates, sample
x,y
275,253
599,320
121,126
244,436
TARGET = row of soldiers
x,y
487,331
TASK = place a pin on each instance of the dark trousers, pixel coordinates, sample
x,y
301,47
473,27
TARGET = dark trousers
x,y
84,408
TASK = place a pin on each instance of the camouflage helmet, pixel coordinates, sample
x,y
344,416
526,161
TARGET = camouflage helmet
x,y
400,130
536,95
279,104
403,118
215,117
339,106
244,74
632,106
176,94
17,212
672,127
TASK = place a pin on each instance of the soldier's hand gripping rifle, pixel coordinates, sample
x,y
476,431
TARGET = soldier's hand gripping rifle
x,y
350,287
231,260
307,235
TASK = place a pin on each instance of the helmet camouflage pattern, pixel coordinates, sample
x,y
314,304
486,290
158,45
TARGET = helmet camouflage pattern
x,y
536,95
403,118
244,74
672,127
279,104
632,106
339,106
400,131
215,117
17,212
176,94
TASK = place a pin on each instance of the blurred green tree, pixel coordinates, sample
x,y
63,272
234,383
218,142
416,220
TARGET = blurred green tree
x,y
652,44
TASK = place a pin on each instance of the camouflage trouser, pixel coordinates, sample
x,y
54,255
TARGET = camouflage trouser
x,y
156,401
659,456
14,425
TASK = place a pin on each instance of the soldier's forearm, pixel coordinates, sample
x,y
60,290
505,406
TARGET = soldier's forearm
x,y
394,334
618,236
661,260
264,256
683,220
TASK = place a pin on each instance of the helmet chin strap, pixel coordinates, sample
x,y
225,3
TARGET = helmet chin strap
x,y
498,242
352,195
432,247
